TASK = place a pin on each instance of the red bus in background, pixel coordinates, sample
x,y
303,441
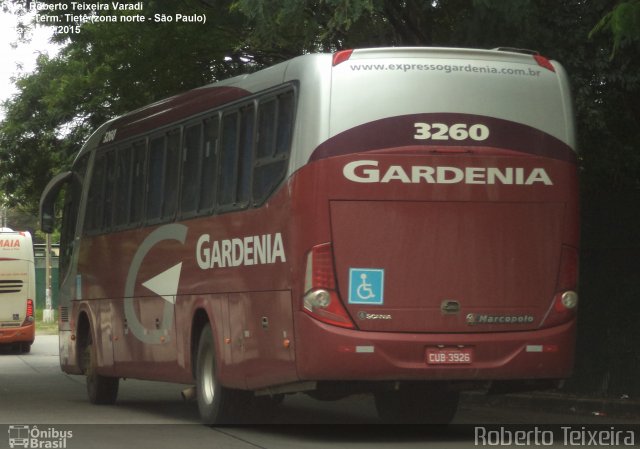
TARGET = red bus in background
x,y
397,221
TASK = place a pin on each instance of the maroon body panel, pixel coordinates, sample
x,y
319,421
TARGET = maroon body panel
x,y
235,297
356,355
445,230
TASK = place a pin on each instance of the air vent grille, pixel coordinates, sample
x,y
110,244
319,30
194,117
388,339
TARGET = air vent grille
x,y
10,286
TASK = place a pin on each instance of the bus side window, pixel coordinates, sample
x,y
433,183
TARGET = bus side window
x,y
209,165
228,159
236,159
70,214
122,186
136,208
285,124
110,178
191,169
95,208
275,124
266,129
171,175
155,178
245,156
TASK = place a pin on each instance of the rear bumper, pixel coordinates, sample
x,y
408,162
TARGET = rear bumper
x,y
22,334
326,352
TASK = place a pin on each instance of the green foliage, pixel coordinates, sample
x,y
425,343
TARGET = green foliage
x,y
102,72
623,22
19,220
109,69
31,136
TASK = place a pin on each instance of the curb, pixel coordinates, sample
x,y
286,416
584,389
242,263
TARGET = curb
x,y
562,403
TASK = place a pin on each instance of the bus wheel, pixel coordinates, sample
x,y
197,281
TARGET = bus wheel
x,y
102,390
25,348
217,404
417,404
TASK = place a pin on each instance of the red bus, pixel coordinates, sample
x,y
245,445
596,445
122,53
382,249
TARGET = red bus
x,y
402,222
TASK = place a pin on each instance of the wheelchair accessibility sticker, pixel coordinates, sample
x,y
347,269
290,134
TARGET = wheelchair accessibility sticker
x,y
366,286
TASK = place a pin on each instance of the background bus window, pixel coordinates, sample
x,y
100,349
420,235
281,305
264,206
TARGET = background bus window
x,y
191,169
209,165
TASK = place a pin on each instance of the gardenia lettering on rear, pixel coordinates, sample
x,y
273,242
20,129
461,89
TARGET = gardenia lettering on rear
x,y
368,172
241,251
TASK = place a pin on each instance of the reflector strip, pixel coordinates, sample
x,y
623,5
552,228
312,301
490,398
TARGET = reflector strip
x,y
542,348
365,349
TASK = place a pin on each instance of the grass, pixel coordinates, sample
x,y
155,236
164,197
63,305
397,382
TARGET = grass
x,y
45,328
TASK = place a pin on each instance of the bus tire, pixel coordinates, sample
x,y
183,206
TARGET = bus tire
x,y
417,404
216,404
101,390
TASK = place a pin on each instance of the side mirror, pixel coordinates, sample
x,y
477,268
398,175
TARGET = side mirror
x,y
47,222
48,200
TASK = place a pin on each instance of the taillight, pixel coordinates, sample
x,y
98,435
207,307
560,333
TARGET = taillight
x,y
565,301
321,299
341,56
29,318
544,62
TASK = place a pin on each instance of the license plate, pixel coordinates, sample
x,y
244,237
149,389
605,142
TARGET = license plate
x,y
449,356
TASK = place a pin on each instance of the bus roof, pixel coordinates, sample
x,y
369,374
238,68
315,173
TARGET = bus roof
x,y
193,102
516,85
181,107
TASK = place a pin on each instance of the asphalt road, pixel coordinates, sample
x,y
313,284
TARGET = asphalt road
x,y
35,393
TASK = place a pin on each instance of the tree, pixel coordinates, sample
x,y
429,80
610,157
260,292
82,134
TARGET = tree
x,y
104,71
30,141
110,68
606,92
623,22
